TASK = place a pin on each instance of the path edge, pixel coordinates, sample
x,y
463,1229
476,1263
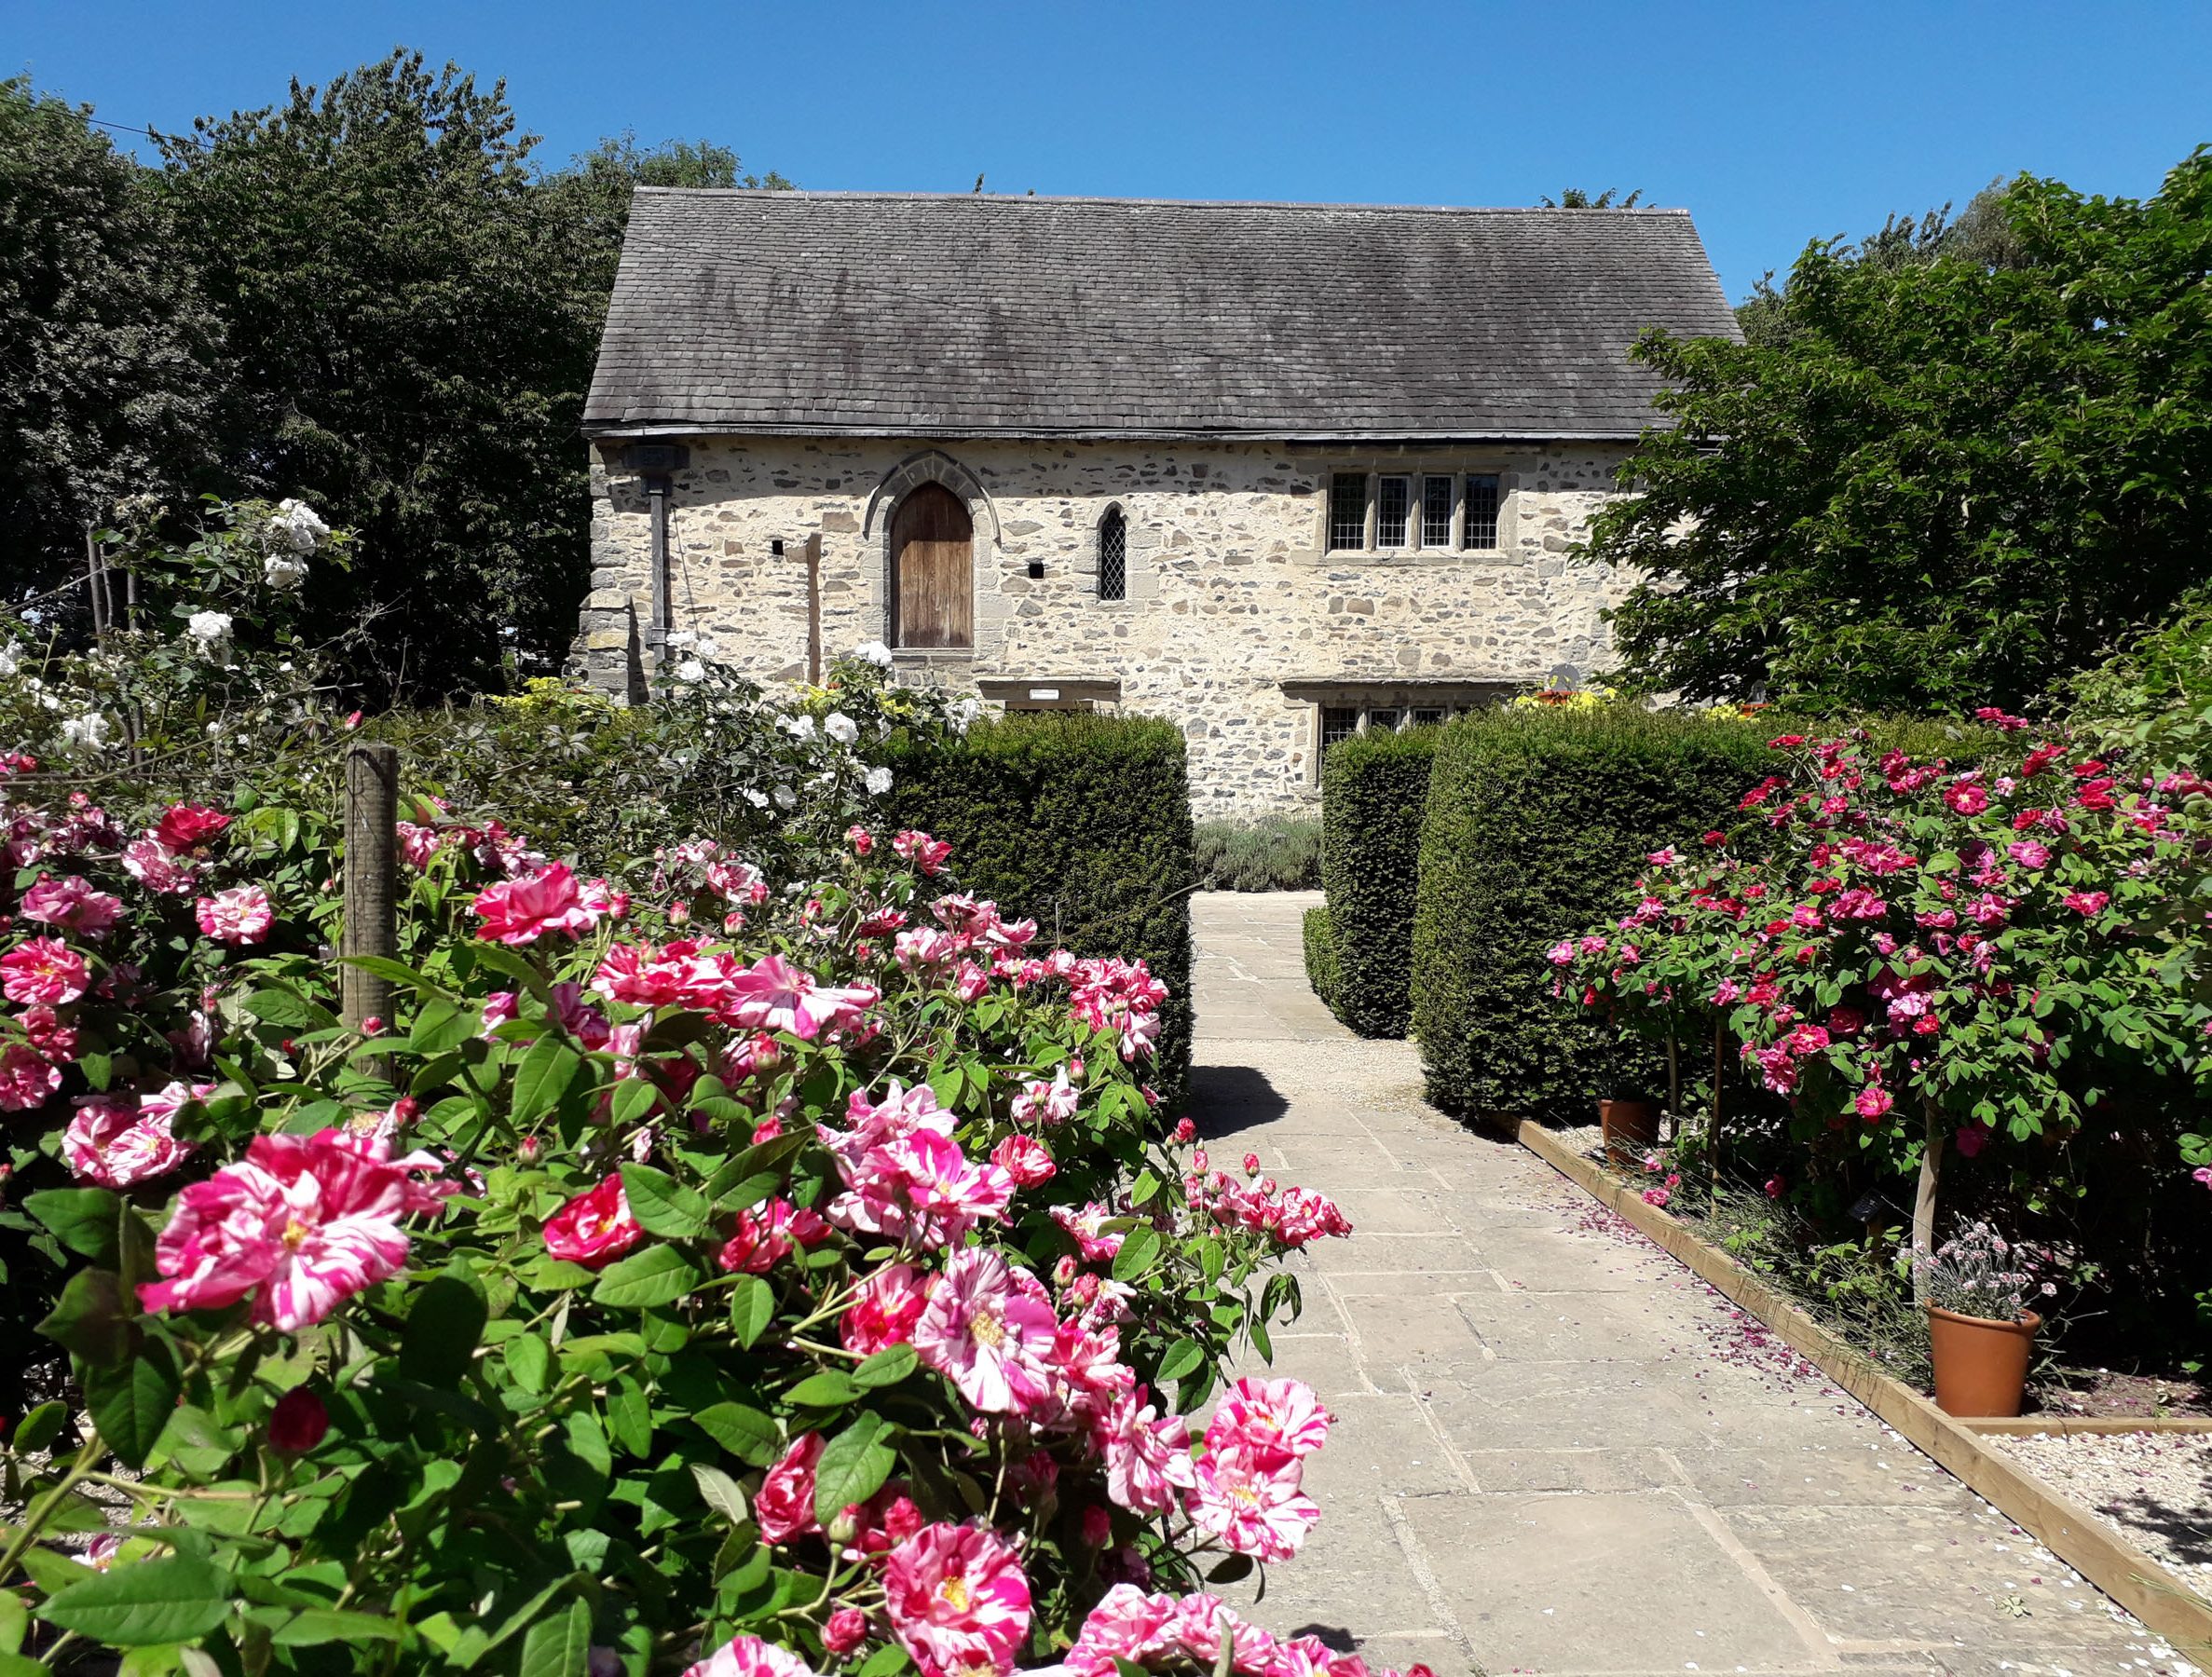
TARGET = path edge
x,y
2125,1573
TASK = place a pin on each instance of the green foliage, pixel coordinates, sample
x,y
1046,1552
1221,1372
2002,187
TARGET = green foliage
x,y
410,321
1083,822
1938,484
1375,787
1278,852
1535,821
105,343
1322,970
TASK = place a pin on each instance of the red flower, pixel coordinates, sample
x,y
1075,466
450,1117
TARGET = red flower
x,y
298,1422
2087,902
595,1228
184,826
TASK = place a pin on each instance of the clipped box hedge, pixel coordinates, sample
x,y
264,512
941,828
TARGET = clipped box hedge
x,y
1084,822
1535,821
1373,790
1322,970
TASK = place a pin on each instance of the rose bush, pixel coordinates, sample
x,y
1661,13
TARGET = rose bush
x,y
1922,960
754,1257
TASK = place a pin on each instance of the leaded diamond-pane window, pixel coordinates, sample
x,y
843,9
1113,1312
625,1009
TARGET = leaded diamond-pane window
x,y
1338,722
1114,555
1436,512
1482,510
1393,511
1348,511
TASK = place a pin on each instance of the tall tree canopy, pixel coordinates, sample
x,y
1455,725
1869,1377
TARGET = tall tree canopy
x,y
1937,482
106,350
409,329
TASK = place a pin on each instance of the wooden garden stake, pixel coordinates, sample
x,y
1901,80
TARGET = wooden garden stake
x,y
1674,1080
1719,1064
372,906
1924,1199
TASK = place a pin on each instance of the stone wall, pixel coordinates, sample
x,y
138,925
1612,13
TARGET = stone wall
x,y
1237,622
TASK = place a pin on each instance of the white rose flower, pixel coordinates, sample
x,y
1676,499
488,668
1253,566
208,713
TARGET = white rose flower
x,y
799,728
89,730
874,652
211,631
878,782
282,571
785,798
756,797
691,670
10,660
709,647
963,711
680,638
840,727
294,524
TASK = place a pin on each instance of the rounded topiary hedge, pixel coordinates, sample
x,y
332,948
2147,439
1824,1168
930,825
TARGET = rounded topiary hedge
x,y
1321,969
1535,820
1084,822
1373,790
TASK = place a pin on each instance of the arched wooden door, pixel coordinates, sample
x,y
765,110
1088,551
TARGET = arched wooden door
x,y
933,570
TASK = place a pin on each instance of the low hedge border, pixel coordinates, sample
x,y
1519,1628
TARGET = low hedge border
x,y
1374,788
1083,822
1321,969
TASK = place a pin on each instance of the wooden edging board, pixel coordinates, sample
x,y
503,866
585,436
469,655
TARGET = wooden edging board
x,y
2062,1525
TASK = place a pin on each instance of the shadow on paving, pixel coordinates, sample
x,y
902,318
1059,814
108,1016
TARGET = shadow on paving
x,y
1230,1098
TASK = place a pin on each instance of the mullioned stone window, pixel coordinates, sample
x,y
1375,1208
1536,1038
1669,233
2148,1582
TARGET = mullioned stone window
x,y
1431,512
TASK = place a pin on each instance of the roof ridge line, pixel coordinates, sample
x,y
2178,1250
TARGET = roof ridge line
x,y
795,193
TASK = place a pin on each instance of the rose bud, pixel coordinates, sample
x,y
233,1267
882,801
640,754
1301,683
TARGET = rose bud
x,y
1064,1271
846,1526
902,1520
298,1422
1098,1526
1251,1163
846,1631
529,1151
1185,1131
767,1129
372,1026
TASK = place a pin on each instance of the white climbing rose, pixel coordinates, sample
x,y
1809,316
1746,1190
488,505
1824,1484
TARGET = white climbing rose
x,y
874,652
840,727
878,782
89,730
691,670
799,728
294,524
10,661
210,632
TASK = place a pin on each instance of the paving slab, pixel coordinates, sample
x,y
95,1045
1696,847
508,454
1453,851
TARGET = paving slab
x,y
1556,1450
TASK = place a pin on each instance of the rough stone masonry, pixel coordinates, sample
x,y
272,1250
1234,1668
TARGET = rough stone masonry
x,y
1237,623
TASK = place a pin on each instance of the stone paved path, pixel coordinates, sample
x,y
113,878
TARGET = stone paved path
x,y
1557,1450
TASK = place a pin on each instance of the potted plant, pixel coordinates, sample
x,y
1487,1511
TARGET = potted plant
x,y
1980,1331
1631,1126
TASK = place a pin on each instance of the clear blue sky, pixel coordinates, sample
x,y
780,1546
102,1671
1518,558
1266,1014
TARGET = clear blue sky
x,y
1773,123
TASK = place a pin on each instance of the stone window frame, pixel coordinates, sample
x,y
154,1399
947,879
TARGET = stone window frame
x,y
1113,507
1416,471
932,466
1408,704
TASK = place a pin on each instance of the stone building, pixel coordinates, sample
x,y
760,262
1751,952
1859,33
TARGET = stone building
x,y
1276,471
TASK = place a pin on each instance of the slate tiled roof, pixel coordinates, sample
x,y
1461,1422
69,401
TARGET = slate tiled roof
x,y
926,315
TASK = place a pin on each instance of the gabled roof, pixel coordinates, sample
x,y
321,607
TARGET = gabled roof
x,y
926,315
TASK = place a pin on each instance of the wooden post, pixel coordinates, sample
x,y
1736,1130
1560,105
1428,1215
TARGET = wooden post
x,y
1712,1134
815,608
371,901
1674,1080
1924,1199
95,588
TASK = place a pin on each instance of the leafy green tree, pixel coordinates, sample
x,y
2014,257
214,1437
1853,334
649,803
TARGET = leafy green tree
x,y
1948,483
411,319
594,189
105,344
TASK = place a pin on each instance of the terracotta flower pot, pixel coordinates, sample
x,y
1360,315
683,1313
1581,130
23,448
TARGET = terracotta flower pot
x,y
1631,1129
1981,1365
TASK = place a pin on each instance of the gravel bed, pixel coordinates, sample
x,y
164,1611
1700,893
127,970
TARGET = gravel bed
x,y
2154,1488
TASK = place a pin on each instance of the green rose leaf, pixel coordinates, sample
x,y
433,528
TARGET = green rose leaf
x,y
82,1219
1182,1357
166,1601
1138,1252
826,1390
131,1405
888,1366
528,1359
92,1318
560,1645
752,1307
658,1276
442,1329
854,1466
633,1097
441,1025
723,1493
542,1078
40,1427
314,1625
745,1433
664,1205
